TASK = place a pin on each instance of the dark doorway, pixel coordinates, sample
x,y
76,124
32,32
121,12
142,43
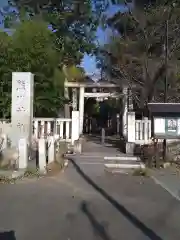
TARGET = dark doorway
x,y
98,115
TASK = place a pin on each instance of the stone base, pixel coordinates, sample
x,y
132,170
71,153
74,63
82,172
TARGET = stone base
x,y
130,148
78,146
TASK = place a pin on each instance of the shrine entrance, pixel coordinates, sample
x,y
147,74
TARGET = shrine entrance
x,y
101,113
100,105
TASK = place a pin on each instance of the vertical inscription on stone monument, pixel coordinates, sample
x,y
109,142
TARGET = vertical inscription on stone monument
x,y
22,106
20,100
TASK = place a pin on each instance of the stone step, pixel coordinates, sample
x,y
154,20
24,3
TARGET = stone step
x,y
122,168
119,171
122,158
93,155
102,154
124,165
124,161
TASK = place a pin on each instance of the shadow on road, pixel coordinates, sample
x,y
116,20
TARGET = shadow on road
x,y
7,235
133,219
98,228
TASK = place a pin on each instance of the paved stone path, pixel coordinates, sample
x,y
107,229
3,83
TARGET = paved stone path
x,y
86,203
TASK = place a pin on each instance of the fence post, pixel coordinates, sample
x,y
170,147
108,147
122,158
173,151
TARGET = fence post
x,y
131,124
51,149
36,130
103,134
4,141
75,126
42,155
146,130
42,129
117,124
131,132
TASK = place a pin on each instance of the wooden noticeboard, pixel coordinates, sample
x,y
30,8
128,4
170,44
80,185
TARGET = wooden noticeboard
x,y
167,127
165,120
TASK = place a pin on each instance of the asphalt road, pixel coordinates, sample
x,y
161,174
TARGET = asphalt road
x,y
83,203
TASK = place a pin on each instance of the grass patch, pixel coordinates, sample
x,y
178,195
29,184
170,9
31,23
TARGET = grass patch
x,y
6,180
32,172
141,172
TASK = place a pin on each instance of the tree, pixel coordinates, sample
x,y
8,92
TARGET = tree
x,y
31,49
137,56
73,22
5,74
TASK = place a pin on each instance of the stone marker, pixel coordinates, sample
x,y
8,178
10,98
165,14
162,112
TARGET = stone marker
x,y
103,136
22,106
42,155
23,154
51,149
131,132
78,145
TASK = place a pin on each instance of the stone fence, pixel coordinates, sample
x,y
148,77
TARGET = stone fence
x,y
42,151
64,129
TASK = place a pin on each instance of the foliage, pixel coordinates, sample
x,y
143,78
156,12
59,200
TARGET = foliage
x,y
52,55
73,22
31,49
73,73
5,73
137,56
141,172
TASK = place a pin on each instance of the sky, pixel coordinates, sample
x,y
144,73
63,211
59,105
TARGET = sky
x,y
89,62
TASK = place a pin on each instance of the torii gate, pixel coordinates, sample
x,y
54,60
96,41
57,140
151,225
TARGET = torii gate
x,y
82,94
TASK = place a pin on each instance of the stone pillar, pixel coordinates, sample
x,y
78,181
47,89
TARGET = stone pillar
x,y
22,107
146,130
81,109
75,126
131,135
117,124
42,155
23,154
51,149
4,141
74,99
131,121
66,106
130,100
125,110
103,134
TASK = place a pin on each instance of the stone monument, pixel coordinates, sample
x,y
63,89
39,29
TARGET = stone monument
x,y
22,107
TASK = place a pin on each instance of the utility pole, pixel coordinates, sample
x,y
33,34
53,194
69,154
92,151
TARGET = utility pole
x,y
166,80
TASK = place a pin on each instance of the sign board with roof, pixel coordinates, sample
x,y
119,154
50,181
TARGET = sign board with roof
x,y
165,120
